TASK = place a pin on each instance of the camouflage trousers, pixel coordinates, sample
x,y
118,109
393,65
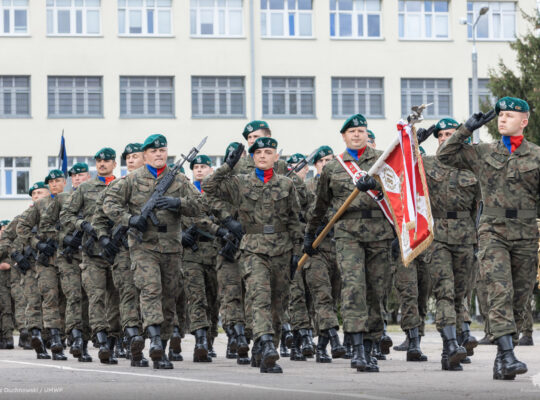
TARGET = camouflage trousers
x,y
481,294
127,291
17,295
450,268
97,282
181,312
471,283
508,268
324,281
365,268
267,282
42,293
527,327
201,289
388,304
413,285
156,277
299,315
6,313
231,293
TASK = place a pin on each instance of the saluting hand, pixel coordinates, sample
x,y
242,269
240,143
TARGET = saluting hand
x,y
479,119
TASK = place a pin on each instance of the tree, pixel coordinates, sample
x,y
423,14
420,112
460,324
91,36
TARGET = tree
x,y
525,84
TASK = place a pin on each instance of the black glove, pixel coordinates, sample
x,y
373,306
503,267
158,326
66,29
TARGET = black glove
x,y
294,265
46,248
423,134
108,246
139,223
222,232
234,156
22,262
395,249
72,241
479,119
308,245
168,203
366,183
234,226
188,240
87,227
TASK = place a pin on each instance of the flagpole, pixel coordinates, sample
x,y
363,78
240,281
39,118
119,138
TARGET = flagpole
x,y
59,155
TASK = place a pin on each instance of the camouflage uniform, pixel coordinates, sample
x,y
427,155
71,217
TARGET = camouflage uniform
x,y
6,315
507,234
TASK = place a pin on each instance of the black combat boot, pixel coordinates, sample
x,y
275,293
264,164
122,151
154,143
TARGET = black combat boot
x,y
242,346
321,355
24,339
358,359
348,346
175,346
454,352
111,343
104,350
77,343
403,346
57,348
386,342
38,345
119,350
200,352
371,361
306,344
85,357
211,351
135,344
414,353
163,362
2,343
376,352
230,353
485,340
285,343
336,348
156,348
8,340
269,355
507,366
526,340
256,354
296,353
467,340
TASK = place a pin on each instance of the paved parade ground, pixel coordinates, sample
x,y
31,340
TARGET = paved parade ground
x,y
22,376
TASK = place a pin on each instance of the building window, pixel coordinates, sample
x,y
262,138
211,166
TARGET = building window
x,y
147,96
286,18
216,18
484,94
73,17
423,19
145,17
288,97
424,91
75,96
14,96
357,95
358,19
14,17
499,23
14,176
217,96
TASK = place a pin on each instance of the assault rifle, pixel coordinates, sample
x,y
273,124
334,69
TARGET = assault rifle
x,y
69,251
298,167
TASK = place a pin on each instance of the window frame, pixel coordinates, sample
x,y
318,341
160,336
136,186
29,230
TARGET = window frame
x,y
285,11
471,15
14,169
299,104
357,91
425,93
482,92
12,8
144,20
216,8
72,19
145,100
423,14
354,22
74,91
218,90
14,91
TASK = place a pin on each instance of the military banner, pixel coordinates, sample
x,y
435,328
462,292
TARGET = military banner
x,y
400,171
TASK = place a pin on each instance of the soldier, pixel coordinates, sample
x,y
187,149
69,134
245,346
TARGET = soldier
x,y
371,140
96,276
6,315
268,212
363,238
155,260
508,235
528,323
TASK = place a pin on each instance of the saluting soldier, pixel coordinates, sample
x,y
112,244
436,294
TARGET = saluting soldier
x,y
509,178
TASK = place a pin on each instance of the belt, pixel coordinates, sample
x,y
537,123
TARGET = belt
x,y
205,239
451,214
508,213
163,228
265,229
363,214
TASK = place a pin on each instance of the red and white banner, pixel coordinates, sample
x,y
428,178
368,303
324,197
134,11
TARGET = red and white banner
x,y
400,171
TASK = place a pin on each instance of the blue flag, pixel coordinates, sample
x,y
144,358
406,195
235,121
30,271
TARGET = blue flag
x,y
62,155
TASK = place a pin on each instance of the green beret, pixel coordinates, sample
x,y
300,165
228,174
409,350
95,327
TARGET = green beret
x,y
105,153
254,126
37,185
78,168
263,142
200,159
443,124
511,104
422,151
4,222
354,121
295,158
55,173
323,151
131,148
371,135
155,141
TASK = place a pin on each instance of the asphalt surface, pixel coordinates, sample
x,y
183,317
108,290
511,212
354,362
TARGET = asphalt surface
x,y
22,376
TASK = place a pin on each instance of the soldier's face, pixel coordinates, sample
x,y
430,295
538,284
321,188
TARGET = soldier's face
x,y
319,165
303,172
356,137
254,136
134,161
201,171
444,135
57,185
264,158
39,194
77,179
105,167
156,158
371,143
512,123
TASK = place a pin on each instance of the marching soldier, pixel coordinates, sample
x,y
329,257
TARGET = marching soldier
x,y
6,315
509,178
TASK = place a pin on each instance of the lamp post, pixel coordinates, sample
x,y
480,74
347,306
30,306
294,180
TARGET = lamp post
x,y
475,105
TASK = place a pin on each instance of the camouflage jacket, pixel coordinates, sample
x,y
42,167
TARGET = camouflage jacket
x,y
452,190
271,206
507,181
8,237
29,220
50,225
328,244
335,186
126,198
100,221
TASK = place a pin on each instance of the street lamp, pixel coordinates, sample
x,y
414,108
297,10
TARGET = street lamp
x,y
475,106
